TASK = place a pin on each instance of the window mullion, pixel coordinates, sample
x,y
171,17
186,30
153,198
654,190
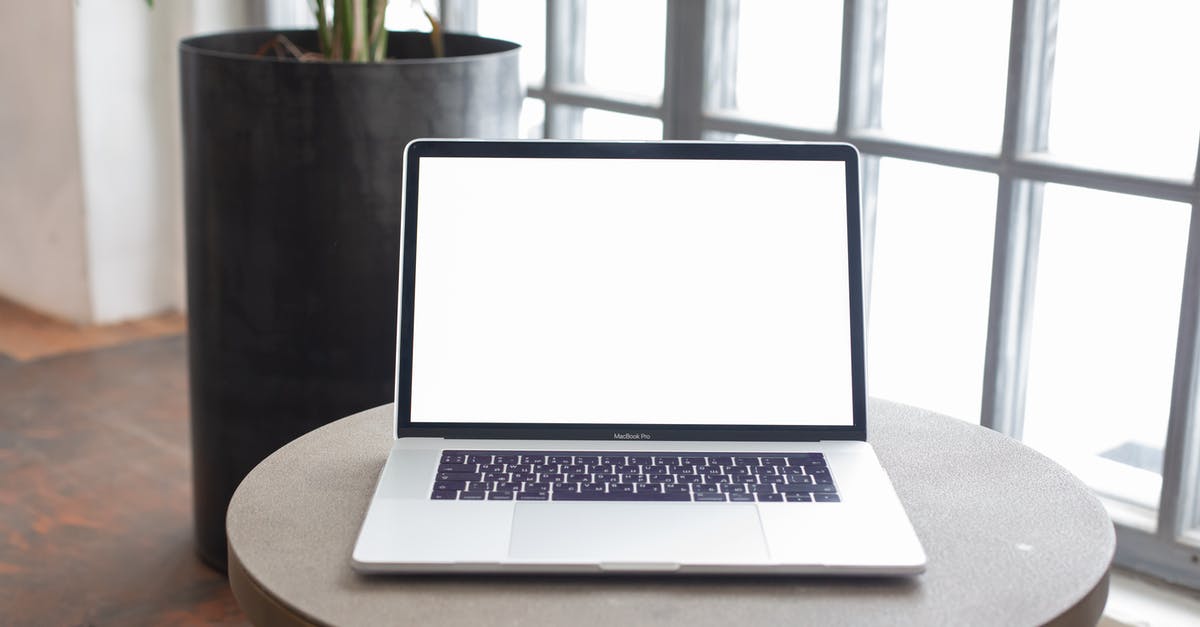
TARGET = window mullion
x,y
860,92
720,56
1180,496
565,32
683,87
860,99
1018,217
460,16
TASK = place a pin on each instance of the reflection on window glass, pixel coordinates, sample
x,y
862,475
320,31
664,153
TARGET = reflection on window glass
x,y
1105,318
600,124
522,22
789,61
624,46
930,284
945,69
1125,94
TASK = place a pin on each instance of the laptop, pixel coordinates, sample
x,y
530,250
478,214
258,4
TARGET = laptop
x,y
632,357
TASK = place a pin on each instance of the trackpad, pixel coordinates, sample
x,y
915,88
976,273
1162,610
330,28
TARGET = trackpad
x,y
631,533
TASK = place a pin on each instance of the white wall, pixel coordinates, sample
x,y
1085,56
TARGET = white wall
x,y
42,239
91,217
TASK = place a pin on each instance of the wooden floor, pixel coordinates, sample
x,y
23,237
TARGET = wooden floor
x,y
95,488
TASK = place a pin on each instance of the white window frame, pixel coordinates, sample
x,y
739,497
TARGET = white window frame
x,y
701,45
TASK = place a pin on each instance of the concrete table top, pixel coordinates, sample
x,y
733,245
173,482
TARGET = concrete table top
x,y
1012,539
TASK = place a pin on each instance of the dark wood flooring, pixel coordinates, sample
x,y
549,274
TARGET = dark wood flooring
x,y
95,492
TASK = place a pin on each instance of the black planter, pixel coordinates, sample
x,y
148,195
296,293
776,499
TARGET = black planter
x,y
293,187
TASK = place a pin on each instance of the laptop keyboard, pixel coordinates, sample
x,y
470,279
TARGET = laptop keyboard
x,y
615,476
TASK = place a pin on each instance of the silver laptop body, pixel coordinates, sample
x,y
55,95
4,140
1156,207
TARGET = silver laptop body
x,y
619,357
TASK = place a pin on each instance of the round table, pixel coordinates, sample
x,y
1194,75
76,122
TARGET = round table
x,y
1012,539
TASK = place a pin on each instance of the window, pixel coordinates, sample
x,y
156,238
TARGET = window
x,y
1029,176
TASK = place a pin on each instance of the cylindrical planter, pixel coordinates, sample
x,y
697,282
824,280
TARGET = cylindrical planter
x,y
292,196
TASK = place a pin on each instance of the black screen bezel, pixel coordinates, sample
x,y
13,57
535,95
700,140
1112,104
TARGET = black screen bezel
x,y
419,149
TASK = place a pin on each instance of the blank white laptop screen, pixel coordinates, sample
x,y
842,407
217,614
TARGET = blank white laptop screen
x,y
631,291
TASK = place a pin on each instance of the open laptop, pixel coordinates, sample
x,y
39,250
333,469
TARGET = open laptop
x,y
632,357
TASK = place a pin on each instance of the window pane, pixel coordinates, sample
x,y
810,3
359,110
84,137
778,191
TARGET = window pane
x,y
789,61
1125,93
522,22
408,16
1105,319
601,124
945,72
533,119
930,284
624,46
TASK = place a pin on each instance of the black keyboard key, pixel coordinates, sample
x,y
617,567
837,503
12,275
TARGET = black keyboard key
x,y
624,496
445,495
735,487
620,487
745,461
533,496
453,458
649,489
458,468
479,459
770,498
640,459
533,459
721,460
500,496
775,461
761,489
770,479
666,460
507,459
823,488
561,459
472,495
798,497
704,489
799,479
707,496
822,479
662,478
741,497
826,498
689,479
794,489
459,476
587,459
439,486
692,460
613,459
677,489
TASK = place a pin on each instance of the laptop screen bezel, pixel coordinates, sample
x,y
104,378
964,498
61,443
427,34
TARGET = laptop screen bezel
x,y
559,149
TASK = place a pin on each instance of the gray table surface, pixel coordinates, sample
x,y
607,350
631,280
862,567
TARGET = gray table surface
x,y
1012,539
